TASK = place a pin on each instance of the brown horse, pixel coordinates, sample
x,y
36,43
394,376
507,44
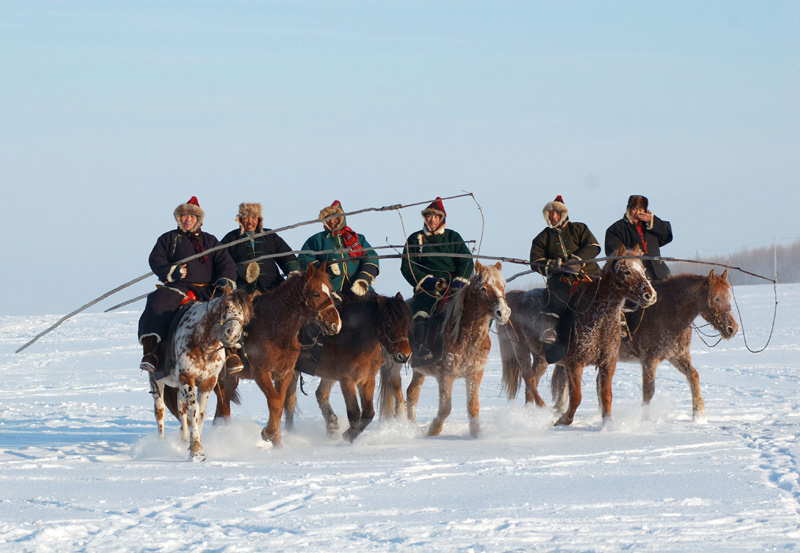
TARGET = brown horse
x,y
466,349
665,331
271,346
595,333
370,326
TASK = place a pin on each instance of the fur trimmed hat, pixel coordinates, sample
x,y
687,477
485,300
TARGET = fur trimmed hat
x,y
333,209
637,202
556,205
437,207
250,210
192,207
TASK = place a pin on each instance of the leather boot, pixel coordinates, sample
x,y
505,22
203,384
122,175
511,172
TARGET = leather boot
x,y
149,360
549,335
233,363
421,338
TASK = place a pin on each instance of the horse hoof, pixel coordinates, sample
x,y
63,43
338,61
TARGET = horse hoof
x,y
563,421
350,435
264,436
198,457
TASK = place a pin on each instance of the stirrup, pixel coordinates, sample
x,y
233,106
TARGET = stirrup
x,y
233,364
424,352
149,363
548,336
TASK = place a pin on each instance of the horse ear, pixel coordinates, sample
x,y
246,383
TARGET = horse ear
x,y
399,296
478,266
498,266
711,275
621,251
724,275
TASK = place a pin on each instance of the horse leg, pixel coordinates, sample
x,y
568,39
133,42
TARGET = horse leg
x,y
366,393
473,402
605,375
391,400
573,376
193,414
412,395
224,390
531,377
559,388
683,362
324,401
157,391
290,404
272,431
445,405
203,392
348,387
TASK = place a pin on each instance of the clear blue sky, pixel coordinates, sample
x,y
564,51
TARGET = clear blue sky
x,y
113,113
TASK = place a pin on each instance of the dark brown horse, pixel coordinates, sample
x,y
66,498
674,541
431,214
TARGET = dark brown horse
x,y
466,350
271,346
665,331
595,336
370,326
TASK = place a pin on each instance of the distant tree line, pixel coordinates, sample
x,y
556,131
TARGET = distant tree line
x,y
761,261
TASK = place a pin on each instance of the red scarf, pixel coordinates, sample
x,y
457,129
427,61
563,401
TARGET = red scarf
x,y
198,245
641,237
350,240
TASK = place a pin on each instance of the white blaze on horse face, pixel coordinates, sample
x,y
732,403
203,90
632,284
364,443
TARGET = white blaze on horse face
x,y
326,290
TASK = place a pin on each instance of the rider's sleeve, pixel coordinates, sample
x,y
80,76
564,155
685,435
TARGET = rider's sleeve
x,y
368,269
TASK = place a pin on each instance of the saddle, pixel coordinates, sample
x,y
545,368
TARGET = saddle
x,y
166,358
564,328
312,341
435,342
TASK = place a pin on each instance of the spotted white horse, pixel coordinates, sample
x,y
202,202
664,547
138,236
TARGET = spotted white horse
x,y
197,354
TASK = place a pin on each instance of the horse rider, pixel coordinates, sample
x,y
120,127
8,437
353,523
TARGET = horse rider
x,y
639,227
353,268
265,274
434,278
198,279
561,252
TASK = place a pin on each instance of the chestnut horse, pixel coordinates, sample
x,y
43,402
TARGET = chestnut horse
x,y
665,331
196,356
595,336
370,326
466,349
271,346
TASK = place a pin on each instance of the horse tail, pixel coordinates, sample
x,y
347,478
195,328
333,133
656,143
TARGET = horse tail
x,y
512,372
387,391
558,388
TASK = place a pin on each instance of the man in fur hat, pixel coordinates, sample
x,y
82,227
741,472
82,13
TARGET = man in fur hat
x,y
265,274
436,277
561,253
639,227
197,279
347,270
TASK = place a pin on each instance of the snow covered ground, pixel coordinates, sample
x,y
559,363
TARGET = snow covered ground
x,y
81,467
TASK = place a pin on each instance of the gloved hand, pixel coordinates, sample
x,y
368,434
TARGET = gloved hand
x,y
224,285
360,287
441,286
456,284
428,283
573,264
250,272
335,269
552,266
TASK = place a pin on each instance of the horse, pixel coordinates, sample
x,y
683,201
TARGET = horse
x,y
595,334
371,326
271,345
197,357
466,349
665,331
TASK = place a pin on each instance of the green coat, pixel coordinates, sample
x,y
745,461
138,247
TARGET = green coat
x,y
559,243
355,267
416,268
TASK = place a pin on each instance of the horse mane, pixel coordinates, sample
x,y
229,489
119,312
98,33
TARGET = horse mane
x,y
454,308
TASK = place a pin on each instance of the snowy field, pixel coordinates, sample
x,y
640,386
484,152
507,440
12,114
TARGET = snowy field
x,y
82,469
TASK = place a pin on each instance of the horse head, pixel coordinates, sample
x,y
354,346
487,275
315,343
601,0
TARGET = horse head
x,y
492,289
395,326
632,279
235,313
717,310
317,291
